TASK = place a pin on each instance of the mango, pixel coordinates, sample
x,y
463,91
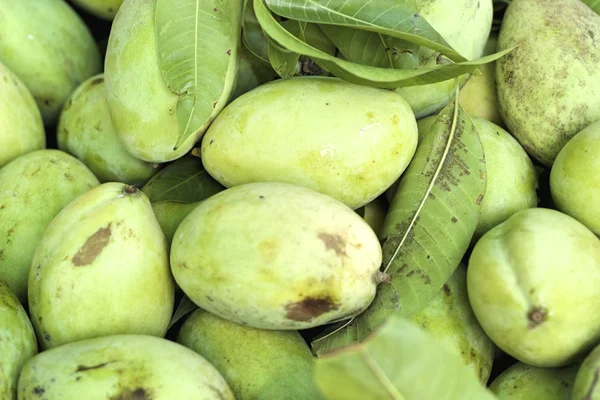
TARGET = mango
x,y
532,281
18,341
107,235
257,364
478,97
347,141
449,318
524,382
121,367
86,131
34,188
549,86
105,9
21,126
276,256
586,386
47,45
465,25
574,180
512,178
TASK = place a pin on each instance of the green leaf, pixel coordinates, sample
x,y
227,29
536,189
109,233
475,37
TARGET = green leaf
x,y
398,19
594,5
362,74
197,46
184,181
428,227
254,39
401,362
374,49
185,307
283,61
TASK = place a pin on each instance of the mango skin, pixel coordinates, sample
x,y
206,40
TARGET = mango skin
x,y
49,47
449,318
554,66
524,382
245,257
512,178
347,141
21,126
121,367
18,341
257,364
86,131
478,97
586,386
574,181
532,281
34,188
141,105
466,25
105,9
107,235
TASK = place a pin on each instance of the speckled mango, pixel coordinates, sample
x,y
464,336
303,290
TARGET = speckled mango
x,y
86,131
33,189
276,256
549,86
49,47
449,318
347,141
21,127
101,269
258,364
524,382
121,367
105,9
465,25
17,340
532,281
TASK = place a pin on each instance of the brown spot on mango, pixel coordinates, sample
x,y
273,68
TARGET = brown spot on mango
x,y
268,249
309,308
135,394
334,242
92,247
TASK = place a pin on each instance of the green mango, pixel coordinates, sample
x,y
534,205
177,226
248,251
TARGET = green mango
x,y
466,26
107,235
548,86
105,9
478,96
512,179
21,126
257,364
85,130
17,340
574,179
34,188
532,281
276,256
524,382
586,385
47,45
169,215
449,318
348,141
121,367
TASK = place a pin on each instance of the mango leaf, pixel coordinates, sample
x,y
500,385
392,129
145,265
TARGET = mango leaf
x,y
184,181
197,45
400,361
283,61
374,49
429,225
362,74
252,34
594,5
400,19
185,307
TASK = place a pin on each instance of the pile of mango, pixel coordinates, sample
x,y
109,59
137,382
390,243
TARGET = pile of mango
x,y
293,199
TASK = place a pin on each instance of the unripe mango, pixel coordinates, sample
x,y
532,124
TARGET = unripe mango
x,y
33,189
276,256
105,9
524,382
101,269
